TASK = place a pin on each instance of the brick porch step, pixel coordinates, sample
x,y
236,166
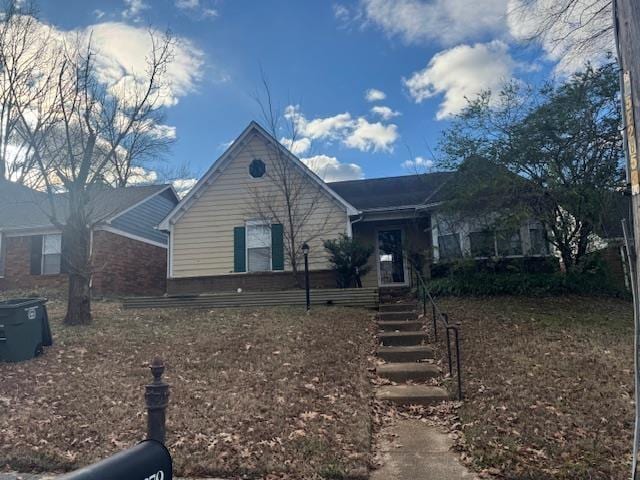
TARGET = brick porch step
x,y
395,325
398,307
402,338
412,394
401,372
405,354
408,315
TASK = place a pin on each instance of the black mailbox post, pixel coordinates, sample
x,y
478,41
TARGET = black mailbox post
x,y
149,460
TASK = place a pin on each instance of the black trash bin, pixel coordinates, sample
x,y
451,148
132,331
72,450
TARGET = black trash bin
x,y
24,329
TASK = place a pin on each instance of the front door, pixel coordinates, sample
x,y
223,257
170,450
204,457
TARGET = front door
x,y
391,264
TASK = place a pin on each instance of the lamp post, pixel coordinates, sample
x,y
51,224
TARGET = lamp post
x,y
305,251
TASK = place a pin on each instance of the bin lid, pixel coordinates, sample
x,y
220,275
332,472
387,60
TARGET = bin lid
x,y
21,302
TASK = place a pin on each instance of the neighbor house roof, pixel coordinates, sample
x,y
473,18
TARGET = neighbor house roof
x,y
389,193
24,208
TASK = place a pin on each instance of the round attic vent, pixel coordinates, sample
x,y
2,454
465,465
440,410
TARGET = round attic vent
x,y
257,168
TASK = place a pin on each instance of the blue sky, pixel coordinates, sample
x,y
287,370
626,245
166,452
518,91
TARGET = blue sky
x,y
322,58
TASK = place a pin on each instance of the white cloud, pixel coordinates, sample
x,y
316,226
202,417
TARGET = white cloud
x,y
462,72
385,113
195,9
342,13
418,164
142,176
122,52
331,170
352,132
183,185
298,146
446,21
579,34
187,4
375,137
374,95
133,9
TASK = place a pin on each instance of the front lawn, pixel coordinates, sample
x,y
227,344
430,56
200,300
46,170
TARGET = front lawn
x,y
256,392
549,385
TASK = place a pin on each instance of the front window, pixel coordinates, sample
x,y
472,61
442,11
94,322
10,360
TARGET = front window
x,y
258,247
482,244
509,243
449,247
51,254
538,242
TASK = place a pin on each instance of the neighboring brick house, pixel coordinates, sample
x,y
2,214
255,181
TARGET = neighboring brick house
x,y
128,253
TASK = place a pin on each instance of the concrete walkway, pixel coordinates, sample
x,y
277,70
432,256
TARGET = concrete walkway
x,y
414,450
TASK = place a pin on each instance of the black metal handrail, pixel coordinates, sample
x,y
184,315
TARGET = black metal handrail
x,y
425,297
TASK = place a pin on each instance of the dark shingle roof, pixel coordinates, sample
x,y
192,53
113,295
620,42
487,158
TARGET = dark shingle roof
x,y
393,192
22,207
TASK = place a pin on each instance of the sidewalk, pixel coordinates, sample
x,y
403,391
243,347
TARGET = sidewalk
x,y
417,451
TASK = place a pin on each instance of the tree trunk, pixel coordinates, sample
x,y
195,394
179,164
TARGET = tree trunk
x,y
79,301
77,262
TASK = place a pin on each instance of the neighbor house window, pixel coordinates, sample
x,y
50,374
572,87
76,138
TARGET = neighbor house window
x,y
482,244
509,243
538,242
449,247
51,254
258,246
2,255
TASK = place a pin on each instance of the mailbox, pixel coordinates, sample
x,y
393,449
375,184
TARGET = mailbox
x,y
149,460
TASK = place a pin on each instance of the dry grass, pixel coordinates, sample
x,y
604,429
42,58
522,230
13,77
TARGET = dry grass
x,y
253,392
549,386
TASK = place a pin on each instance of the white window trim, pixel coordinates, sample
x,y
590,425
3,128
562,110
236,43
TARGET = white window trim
x,y
42,255
254,223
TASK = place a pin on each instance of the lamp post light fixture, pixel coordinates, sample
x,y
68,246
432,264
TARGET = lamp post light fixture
x,y
305,251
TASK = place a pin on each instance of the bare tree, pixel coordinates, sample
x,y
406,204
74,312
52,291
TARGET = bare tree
x,y
570,30
83,130
27,61
289,197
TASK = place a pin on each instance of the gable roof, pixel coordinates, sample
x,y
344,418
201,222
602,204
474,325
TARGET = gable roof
x,y
389,193
226,157
24,208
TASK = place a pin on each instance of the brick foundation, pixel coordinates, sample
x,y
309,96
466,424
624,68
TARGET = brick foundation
x,y
259,281
122,266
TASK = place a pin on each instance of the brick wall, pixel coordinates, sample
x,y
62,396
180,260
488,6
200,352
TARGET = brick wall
x,y
122,266
258,281
18,267
128,267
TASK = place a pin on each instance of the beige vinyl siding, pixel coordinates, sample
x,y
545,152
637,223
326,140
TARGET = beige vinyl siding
x,y
202,239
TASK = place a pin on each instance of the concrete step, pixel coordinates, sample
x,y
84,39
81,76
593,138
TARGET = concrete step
x,y
397,315
405,354
390,339
396,325
398,307
412,394
401,372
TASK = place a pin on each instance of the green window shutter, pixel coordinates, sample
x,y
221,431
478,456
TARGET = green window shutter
x,y
277,247
239,255
36,255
